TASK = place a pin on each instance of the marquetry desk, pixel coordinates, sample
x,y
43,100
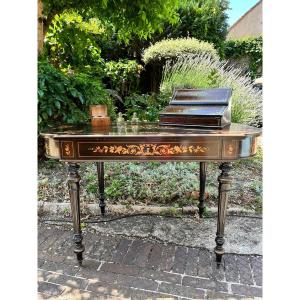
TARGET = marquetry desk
x,y
150,142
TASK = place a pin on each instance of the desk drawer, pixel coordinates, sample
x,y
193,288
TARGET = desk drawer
x,y
85,150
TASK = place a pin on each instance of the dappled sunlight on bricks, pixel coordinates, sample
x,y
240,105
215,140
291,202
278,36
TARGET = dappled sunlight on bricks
x,y
128,268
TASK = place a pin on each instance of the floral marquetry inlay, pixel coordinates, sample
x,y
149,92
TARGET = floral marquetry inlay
x,y
149,149
67,150
230,149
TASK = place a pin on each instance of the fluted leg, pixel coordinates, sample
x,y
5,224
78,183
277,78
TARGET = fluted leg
x,y
73,184
201,205
224,185
100,171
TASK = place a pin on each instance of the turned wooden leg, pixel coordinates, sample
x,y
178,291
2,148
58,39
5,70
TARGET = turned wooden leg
x,y
100,171
224,185
201,205
73,184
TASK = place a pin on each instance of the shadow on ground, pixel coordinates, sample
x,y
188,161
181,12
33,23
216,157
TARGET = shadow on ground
x,y
151,257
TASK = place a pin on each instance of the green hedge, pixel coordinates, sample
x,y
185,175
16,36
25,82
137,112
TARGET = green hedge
x,y
202,19
123,76
247,47
147,107
174,48
65,98
70,42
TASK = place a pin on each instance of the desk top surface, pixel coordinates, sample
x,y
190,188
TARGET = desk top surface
x,y
147,130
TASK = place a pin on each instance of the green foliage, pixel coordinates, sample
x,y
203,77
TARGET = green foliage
x,y
66,210
175,48
123,75
92,188
114,190
147,107
152,183
207,212
140,17
204,20
90,177
247,47
170,212
70,42
66,98
256,186
51,163
142,182
205,72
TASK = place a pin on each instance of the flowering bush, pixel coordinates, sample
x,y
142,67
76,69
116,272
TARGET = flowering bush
x,y
174,48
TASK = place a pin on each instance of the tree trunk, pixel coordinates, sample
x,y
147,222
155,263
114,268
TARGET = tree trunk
x,y
40,27
43,25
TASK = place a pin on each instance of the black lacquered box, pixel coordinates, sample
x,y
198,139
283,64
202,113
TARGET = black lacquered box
x,y
204,108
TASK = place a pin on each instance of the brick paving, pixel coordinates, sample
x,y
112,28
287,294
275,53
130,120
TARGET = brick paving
x,y
117,267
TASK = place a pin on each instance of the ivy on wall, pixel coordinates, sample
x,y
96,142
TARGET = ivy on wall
x,y
247,47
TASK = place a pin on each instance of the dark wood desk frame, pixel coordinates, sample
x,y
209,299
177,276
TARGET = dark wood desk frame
x,y
150,142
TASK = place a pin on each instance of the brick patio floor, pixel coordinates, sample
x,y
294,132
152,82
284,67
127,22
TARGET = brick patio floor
x,y
115,267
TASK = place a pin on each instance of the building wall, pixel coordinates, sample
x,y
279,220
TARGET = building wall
x,y
250,24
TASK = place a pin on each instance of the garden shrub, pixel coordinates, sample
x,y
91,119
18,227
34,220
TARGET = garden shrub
x,y
153,182
146,107
204,20
65,98
71,42
123,75
250,47
205,72
174,48
170,50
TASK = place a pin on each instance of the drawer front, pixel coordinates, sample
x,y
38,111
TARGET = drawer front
x,y
158,149
88,150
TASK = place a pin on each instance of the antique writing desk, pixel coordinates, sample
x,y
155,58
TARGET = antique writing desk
x,y
150,142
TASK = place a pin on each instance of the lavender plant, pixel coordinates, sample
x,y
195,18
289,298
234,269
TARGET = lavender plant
x,y
203,71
